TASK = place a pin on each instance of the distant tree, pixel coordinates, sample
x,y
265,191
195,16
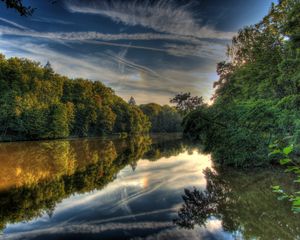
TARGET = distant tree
x,y
185,103
162,118
48,70
132,101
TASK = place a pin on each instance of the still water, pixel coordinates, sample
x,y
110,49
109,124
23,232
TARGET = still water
x,y
158,187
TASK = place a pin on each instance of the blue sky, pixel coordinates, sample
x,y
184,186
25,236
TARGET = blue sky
x,y
149,49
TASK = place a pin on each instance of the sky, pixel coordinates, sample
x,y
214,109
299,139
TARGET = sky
x,y
148,49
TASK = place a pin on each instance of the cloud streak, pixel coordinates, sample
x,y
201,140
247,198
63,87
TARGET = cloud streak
x,y
93,35
162,16
204,50
88,229
13,23
196,47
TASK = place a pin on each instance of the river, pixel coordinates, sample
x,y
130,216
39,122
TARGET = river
x,y
158,187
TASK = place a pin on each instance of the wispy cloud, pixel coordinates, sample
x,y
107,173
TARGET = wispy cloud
x,y
92,35
162,16
196,47
13,23
87,229
51,20
130,64
204,49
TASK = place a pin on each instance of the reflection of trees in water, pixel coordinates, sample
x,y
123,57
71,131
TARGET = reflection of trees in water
x,y
165,149
243,202
58,169
27,163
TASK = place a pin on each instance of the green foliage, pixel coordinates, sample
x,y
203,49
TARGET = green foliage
x,y
186,103
287,159
37,103
162,118
238,134
59,120
257,95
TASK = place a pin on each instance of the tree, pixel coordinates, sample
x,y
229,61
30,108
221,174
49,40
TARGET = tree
x,y
132,101
185,103
49,72
59,120
20,7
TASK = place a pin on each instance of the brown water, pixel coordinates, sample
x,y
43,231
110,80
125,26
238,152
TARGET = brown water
x,y
132,189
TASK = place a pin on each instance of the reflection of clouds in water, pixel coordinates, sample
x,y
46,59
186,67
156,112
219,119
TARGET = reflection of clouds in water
x,y
213,231
88,228
177,171
167,174
164,178
165,230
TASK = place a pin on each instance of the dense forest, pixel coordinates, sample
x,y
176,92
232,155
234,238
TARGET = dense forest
x,y
257,96
37,103
162,118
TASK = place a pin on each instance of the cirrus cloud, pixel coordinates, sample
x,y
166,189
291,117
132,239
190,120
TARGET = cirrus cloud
x,y
162,16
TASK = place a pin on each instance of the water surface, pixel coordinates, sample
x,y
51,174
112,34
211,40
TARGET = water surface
x,y
157,187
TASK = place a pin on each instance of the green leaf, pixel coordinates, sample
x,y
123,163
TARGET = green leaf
x,y
282,197
285,161
277,189
288,150
291,169
296,209
296,203
277,151
297,181
273,145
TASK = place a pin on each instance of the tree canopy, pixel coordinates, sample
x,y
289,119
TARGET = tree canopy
x,y
37,103
186,103
257,95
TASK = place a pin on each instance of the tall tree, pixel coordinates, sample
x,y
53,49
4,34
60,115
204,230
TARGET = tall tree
x,y
132,101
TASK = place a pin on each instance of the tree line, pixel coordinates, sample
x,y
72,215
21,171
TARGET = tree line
x,y
37,103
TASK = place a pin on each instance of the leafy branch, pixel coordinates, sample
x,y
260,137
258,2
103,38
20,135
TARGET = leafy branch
x,y
291,166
